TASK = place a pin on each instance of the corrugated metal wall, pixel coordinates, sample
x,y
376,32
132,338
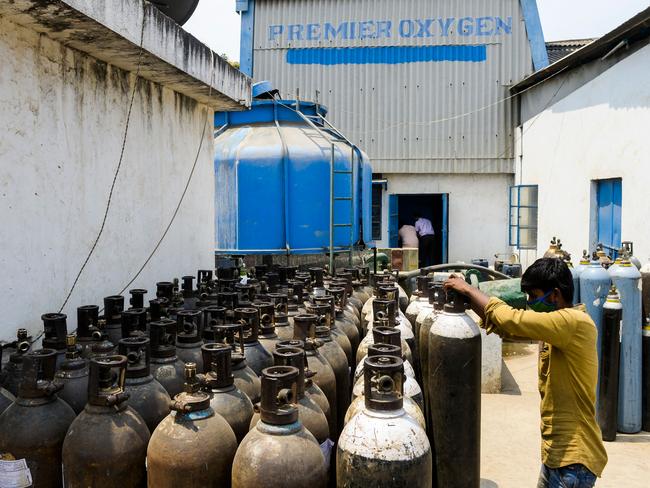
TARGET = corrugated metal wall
x,y
408,116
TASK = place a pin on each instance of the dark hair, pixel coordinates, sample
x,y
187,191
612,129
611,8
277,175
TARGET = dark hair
x,y
547,274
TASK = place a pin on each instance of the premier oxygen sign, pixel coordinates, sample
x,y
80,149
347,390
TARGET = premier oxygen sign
x,y
391,42
388,29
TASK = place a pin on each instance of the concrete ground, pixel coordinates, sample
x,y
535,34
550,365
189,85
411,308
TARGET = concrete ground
x,y
510,438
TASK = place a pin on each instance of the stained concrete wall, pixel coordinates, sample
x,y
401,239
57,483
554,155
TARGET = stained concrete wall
x,y
478,210
594,127
62,121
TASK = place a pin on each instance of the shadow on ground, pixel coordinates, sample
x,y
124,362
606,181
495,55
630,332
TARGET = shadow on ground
x,y
509,385
640,437
488,483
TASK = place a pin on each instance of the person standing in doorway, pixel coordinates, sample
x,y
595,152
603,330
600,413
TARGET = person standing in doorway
x,y
408,236
426,236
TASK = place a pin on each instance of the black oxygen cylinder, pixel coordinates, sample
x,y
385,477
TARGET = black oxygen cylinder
x,y
607,405
645,371
455,396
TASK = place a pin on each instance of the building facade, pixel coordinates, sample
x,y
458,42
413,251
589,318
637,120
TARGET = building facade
x,y
68,75
582,148
423,88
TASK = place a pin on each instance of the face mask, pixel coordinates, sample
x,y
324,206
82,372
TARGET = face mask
x,y
541,305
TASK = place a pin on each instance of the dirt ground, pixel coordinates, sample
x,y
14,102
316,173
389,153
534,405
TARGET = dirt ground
x,y
510,440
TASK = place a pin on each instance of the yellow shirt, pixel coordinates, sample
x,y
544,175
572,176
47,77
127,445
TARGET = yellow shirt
x,y
568,373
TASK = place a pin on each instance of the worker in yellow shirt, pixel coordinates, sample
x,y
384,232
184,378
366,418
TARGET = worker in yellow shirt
x,y
573,454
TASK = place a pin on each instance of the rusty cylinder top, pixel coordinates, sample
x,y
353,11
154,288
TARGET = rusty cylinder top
x,y
217,365
87,318
162,334
188,286
188,326
423,284
72,361
138,354
383,383
55,329
192,399
437,295
213,316
106,381
317,276
249,318
330,301
137,297
113,308
304,329
39,368
233,335
134,322
322,311
387,335
384,308
379,349
266,311
292,356
279,385
455,302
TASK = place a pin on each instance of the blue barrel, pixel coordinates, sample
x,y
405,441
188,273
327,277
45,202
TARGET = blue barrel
x,y
272,177
594,286
627,279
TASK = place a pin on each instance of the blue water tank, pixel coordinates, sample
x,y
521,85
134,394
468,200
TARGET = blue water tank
x,y
272,181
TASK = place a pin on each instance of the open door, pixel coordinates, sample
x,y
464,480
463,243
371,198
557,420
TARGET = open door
x,y
393,221
444,230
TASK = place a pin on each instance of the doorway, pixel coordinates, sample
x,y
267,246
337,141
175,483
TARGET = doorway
x,y
432,206
608,214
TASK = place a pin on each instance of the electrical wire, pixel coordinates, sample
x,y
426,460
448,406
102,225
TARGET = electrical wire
x,y
187,184
445,119
115,175
548,103
182,197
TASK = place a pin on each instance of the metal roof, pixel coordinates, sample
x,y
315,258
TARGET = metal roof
x,y
632,31
560,49
431,103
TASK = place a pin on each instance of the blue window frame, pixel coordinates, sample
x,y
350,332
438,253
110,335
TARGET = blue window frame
x,y
523,216
393,221
609,198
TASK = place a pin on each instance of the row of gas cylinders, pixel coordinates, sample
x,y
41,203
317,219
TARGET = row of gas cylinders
x,y
620,285
249,382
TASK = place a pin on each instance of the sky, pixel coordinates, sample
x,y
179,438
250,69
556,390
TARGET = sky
x,y
216,23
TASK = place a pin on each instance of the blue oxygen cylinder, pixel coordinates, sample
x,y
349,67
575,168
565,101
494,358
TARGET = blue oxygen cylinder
x,y
582,265
576,282
627,279
594,286
617,264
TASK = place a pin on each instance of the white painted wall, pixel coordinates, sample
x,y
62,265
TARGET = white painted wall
x,y
62,117
478,210
598,131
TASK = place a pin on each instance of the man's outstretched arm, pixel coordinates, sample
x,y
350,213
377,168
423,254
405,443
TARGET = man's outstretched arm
x,y
478,299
